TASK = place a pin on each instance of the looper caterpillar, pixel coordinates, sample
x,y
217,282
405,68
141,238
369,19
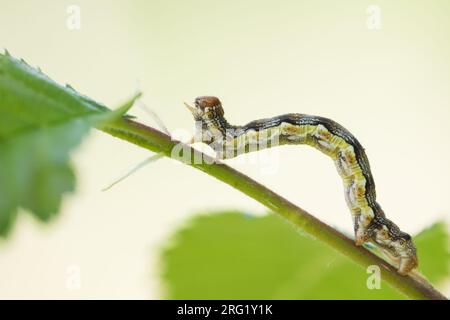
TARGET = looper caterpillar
x,y
332,139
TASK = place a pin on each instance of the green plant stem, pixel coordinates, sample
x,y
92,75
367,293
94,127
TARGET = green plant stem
x,y
159,142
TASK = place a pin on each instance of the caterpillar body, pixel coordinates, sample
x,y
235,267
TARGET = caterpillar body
x,y
370,222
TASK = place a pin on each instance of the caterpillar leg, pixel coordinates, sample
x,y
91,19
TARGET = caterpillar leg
x,y
361,237
362,226
396,245
405,264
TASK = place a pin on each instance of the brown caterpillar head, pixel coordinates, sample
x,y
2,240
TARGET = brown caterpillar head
x,y
206,108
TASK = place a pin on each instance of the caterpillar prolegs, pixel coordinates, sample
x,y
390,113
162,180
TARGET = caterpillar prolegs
x,y
370,222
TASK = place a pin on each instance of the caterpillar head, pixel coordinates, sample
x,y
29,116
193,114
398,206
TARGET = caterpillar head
x,y
211,126
206,108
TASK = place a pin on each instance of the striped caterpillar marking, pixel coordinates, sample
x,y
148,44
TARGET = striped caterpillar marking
x,y
370,222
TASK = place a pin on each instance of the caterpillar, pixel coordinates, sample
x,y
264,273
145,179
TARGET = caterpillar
x,y
332,139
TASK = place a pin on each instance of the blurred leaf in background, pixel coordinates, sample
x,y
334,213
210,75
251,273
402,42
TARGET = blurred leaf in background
x,y
40,122
232,255
432,246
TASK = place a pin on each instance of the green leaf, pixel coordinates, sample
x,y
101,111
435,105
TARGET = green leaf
x,y
34,171
40,123
231,255
432,246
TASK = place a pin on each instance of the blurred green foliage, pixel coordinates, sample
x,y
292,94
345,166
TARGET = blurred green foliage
x,y
231,255
40,122
432,246
34,171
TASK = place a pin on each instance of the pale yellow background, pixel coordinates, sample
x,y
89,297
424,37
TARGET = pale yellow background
x,y
263,58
